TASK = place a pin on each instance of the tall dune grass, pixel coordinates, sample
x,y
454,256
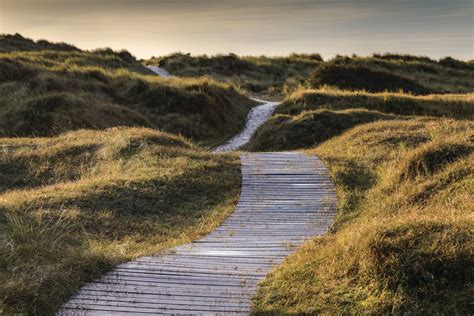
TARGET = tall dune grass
x,y
76,205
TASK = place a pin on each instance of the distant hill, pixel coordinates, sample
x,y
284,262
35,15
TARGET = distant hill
x,y
16,42
256,74
392,72
47,89
283,75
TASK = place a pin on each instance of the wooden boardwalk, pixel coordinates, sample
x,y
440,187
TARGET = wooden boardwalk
x,y
286,198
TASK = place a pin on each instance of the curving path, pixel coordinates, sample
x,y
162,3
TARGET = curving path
x,y
286,198
256,117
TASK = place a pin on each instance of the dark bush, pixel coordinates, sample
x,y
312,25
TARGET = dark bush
x,y
405,58
453,63
51,102
230,64
126,56
362,78
11,70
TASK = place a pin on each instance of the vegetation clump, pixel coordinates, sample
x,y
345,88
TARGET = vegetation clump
x,y
17,42
391,72
459,106
428,159
362,78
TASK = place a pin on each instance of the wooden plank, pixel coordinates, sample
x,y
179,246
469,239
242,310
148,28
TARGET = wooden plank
x,y
286,198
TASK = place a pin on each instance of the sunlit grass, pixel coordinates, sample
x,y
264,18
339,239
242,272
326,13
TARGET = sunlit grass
x,y
402,241
308,116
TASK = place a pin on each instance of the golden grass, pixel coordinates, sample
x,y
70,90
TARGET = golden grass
x,y
308,117
403,239
74,206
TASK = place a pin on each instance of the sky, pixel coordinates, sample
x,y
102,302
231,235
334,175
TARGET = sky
x,y
146,28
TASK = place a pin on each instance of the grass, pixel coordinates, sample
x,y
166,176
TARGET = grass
x,y
76,205
309,117
362,78
47,92
392,72
460,106
76,202
286,132
403,240
258,75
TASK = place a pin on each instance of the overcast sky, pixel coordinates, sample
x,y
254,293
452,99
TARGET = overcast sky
x,y
435,28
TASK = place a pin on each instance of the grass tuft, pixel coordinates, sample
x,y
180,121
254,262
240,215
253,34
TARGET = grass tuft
x,y
431,158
